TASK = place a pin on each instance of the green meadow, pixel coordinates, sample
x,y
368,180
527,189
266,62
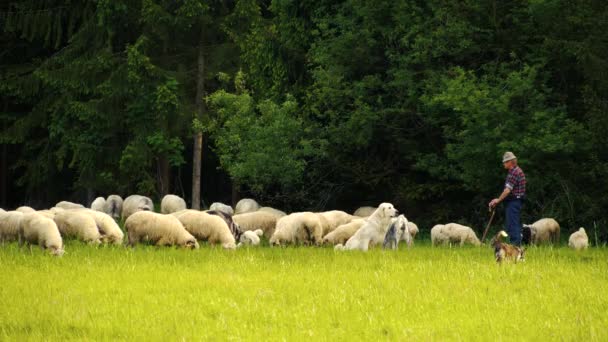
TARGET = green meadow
x,y
264,293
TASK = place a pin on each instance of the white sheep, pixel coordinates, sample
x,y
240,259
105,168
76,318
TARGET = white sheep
x,y
364,211
210,228
246,205
453,233
113,206
250,237
25,209
278,213
171,204
69,205
545,230
344,232
39,230
10,223
107,227
218,206
332,219
159,229
135,203
76,223
578,240
257,220
298,228
99,204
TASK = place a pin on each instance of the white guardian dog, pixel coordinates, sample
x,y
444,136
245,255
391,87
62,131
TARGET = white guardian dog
x,y
374,229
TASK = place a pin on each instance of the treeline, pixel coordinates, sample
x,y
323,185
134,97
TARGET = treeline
x,y
308,104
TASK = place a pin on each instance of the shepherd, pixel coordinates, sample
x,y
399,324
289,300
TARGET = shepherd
x,y
513,196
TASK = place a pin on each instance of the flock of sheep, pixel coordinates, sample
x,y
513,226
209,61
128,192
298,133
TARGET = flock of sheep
x,y
176,225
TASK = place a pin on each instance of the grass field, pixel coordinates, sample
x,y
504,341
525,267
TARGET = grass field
x,y
302,293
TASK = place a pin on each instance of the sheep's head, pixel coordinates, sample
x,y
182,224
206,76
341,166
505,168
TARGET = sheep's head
x,y
57,251
191,244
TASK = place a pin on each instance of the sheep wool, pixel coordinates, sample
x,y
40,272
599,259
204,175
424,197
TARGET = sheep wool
x,y
251,238
107,227
545,230
210,228
25,209
453,233
246,205
99,204
298,228
135,203
579,240
344,232
171,204
332,219
158,229
278,213
68,205
218,206
77,224
41,231
364,211
257,220
10,223
113,206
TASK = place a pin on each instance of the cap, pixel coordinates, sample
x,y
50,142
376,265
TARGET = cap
x,y
508,156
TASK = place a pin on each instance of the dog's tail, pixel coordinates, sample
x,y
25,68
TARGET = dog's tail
x,y
339,247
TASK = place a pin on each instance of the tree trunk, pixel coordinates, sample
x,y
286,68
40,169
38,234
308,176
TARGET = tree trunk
x,y
4,167
235,193
198,136
164,176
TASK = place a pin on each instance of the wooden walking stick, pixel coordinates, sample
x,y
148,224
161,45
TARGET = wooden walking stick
x,y
485,232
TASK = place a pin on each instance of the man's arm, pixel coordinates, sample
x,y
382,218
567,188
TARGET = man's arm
x,y
505,193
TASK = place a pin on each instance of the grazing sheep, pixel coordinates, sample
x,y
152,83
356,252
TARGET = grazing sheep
x,y
75,223
159,229
171,204
278,213
373,230
10,223
68,205
344,232
250,237
304,228
246,205
453,233
113,206
579,240
210,228
257,220
235,230
99,204
364,211
135,203
39,230
218,206
107,227
399,229
332,219
545,230
25,209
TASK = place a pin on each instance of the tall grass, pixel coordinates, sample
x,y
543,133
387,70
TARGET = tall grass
x,y
266,293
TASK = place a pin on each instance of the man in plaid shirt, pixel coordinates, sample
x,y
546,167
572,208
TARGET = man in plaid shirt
x,y
513,195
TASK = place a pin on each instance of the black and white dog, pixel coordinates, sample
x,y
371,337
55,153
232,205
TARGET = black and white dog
x,y
398,228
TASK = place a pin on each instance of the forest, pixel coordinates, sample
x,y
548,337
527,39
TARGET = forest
x,y
308,105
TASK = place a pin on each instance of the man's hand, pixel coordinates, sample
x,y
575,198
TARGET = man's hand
x,y
494,203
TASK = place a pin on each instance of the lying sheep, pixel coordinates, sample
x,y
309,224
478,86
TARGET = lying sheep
x,y
113,206
25,209
210,228
10,223
159,229
246,205
108,228
453,233
298,228
39,230
250,237
276,212
135,203
68,205
332,219
257,220
364,211
578,240
344,232
99,204
77,224
545,230
218,206
171,204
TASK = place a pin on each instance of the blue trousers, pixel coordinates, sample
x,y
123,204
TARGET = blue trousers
x,y
513,220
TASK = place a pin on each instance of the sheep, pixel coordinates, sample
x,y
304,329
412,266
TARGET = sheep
x,y
99,204
218,206
278,213
69,205
39,230
235,230
2,211
159,229
75,223
579,240
453,233
210,228
10,223
246,205
171,204
364,211
332,219
113,206
545,230
257,220
107,227
25,209
135,203
250,237
304,227
344,232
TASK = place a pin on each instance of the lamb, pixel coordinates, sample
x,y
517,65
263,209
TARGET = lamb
x,y
159,229
210,228
10,223
257,220
250,237
278,213
68,205
218,206
113,206
332,219
344,232
135,203
578,240
99,204
364,211
246,205
304,227
453,233
545,230
39,230
75,223
25,209
373,230
171,204
107,227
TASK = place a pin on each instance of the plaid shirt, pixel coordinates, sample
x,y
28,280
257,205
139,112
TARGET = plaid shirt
x,y
516,182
